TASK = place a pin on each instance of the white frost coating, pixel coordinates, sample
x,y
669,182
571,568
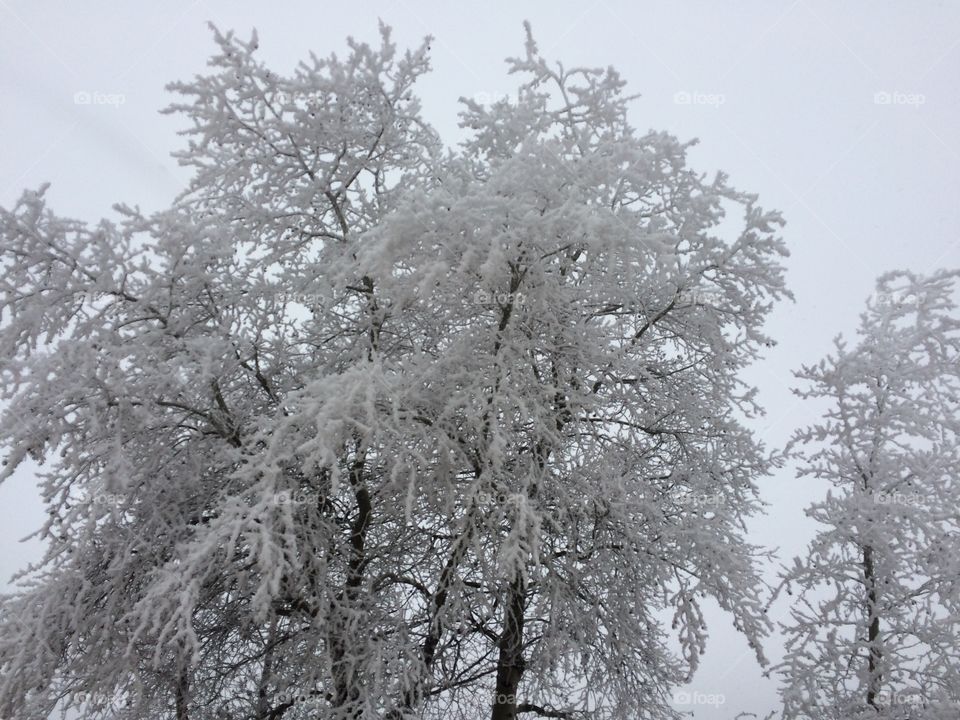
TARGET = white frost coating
x,y
363,429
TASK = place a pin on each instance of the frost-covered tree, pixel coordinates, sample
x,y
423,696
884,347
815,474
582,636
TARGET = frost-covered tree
x,y
874,628
360,428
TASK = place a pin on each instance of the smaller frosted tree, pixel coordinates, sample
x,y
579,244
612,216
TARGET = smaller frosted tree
x,y
874,630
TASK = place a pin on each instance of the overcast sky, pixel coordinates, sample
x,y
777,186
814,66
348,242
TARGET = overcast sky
x,y
844,115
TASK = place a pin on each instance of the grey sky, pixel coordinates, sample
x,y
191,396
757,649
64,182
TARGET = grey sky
x,y
842,115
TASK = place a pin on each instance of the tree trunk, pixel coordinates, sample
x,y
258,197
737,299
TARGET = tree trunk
x,y
873,629
263,688
183,682
510,663
347,692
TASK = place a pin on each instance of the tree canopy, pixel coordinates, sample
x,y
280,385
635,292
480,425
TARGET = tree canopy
x,y
364,426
